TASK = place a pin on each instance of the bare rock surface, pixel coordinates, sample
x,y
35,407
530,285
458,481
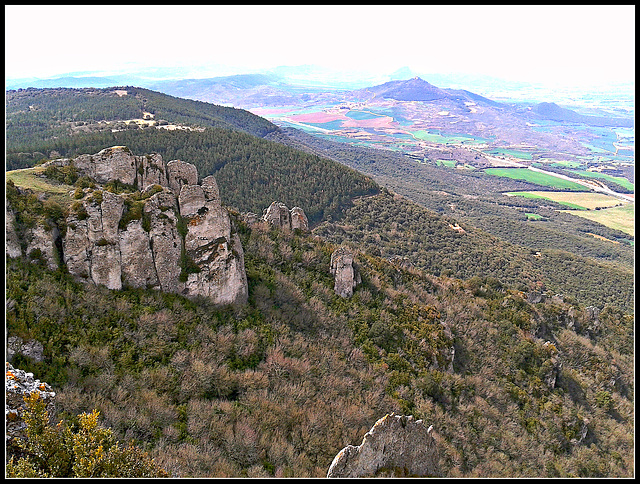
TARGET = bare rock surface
x,y
299,220
213,245
346,277
138,266
181,173
396,446
19,384
31,348
12,243
151,171
40,240
115,163
278,214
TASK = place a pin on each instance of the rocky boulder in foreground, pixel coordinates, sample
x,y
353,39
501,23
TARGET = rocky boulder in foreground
x,y
396,446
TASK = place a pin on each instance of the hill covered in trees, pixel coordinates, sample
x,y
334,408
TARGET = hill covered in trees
x,y
34,116
277,387
448,324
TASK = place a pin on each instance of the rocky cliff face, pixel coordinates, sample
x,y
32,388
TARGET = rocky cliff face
x,y
12,243
344,272
212,244
172,235
396,446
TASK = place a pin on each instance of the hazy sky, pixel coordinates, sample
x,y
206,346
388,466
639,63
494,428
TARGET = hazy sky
x,y
567,45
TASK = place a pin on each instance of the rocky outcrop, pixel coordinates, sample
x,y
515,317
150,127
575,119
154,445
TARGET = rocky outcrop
x,y
212,244
396,446
181,173
19,384
151,171
41,243
115,163
31,349
118,163
278,215
299,220
345,275
173,235
535,297
12,243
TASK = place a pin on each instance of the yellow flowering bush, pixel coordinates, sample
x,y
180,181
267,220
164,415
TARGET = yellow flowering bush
x,y
60,451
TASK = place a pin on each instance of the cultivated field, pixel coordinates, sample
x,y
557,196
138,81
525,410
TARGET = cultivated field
x,y
538,178
616,179
578,200
619,218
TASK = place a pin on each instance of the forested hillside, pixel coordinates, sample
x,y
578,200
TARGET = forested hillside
x,y
279,386
253,172
34,116
519,354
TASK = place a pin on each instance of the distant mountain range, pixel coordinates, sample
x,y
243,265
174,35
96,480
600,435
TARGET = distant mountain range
x,y
554,112
294,85
417,89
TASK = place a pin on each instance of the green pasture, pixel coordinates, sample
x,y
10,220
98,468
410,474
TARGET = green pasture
x,y
363,115
616,179
533,216
535,177
30,178
565,164
448,163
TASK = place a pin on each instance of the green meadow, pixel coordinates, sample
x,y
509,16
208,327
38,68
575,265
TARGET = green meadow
x,y
623,182
535,177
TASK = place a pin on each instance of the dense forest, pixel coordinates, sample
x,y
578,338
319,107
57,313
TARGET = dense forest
x,y
34,116
251,172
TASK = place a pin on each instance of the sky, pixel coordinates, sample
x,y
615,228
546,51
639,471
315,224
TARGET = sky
x,y
553,45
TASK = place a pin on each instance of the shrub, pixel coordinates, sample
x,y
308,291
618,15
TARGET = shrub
x,y
89,451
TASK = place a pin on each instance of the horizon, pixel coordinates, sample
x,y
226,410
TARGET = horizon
x,y
374,41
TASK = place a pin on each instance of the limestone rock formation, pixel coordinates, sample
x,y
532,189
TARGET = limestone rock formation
x,y
396,446
19,383
346,276
181,173
165,241
279,215
535,297
115,163
299,219
151,171
174,235
40,244
31,348
12,243
213,245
